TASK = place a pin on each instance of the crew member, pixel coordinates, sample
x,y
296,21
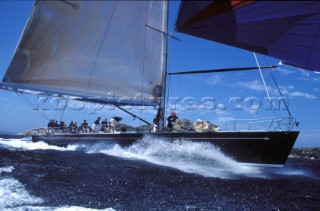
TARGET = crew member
x,y
114,122
95,125
172,118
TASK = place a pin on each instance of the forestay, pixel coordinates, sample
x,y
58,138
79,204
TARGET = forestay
x,y
111,50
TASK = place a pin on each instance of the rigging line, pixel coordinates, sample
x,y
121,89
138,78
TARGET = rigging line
x,y
179,87
135,116
180,65
285,104
265,86
204,92
27,100
228,98
164,33
101,43
62,114
264,83
221,70
280,93
75,6
237,93
144,52
63,110
169,90
178,90
55,115
144,56
204,85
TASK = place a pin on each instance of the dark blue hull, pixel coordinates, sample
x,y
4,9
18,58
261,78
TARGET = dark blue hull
x,y
252,148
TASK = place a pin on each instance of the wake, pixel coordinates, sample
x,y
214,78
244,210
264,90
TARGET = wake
x,y
28,144
197,158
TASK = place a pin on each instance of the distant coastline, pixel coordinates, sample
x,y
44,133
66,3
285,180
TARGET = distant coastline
x,y
6,133
306,152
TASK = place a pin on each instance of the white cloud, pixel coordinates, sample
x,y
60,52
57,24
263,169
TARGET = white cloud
x,y
251,111
302,94
316,79
284,71
304,73
221,112
255,85
214,80
285,91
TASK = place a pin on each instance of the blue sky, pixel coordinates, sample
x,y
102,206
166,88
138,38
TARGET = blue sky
x,y
220,97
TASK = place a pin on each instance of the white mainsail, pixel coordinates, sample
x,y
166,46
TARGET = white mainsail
x,y
93,49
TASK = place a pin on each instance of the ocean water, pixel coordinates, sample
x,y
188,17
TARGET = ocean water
x,y
149,175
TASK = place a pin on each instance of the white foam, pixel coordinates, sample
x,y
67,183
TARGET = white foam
x,y
274,172
63,208
27,144
7,169
76,208
191,157
14,194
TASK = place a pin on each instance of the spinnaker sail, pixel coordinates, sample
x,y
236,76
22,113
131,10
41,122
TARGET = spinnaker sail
x,y
286,30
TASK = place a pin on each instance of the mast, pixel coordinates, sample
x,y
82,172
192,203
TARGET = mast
x,y
164,71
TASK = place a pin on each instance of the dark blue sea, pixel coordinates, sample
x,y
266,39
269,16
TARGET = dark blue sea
x,y
149,175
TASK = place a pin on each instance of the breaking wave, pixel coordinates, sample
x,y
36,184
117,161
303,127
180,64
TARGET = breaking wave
x,y
191,157
14,196
199,158
28,144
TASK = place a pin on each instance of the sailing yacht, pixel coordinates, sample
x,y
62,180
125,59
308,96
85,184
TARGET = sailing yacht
x,y
115,52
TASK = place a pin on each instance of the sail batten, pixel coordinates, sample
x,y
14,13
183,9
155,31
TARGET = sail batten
x,y
101,47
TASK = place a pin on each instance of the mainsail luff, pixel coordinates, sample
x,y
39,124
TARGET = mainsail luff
x,y
162,103
100,49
